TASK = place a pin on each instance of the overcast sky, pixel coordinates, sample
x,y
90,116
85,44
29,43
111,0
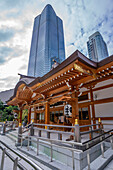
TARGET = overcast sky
x,y
81,18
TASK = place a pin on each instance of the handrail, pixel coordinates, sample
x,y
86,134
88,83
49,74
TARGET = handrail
x,y
63,126
26,128
73,148
50,125
53,131
52,140
30,162
51,144
107,123
12,158
98,136
88,125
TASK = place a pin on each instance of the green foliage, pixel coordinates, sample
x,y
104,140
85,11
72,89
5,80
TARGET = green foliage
x,y
24,113
6,112
1,105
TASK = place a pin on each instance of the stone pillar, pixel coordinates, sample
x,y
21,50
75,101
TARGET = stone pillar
x,y
19,135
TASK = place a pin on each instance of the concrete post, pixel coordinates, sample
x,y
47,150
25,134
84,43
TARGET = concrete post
x,y
101,127
2,159
59,136
31,130
4,128
12,126
48,133
19,134
77,137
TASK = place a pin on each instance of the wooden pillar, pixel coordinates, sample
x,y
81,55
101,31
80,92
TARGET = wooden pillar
x,y
47,114
35,116
20,116
75,113
29,115
92,106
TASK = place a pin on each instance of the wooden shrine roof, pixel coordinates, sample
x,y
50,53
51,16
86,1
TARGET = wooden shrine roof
x,y
75,72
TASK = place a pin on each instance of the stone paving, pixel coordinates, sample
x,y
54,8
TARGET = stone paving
x,y
8,163
44,162
109,166
55,165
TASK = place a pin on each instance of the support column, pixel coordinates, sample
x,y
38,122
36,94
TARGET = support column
x,y
75,113
35,116
92,106
20,119
47,114
29,115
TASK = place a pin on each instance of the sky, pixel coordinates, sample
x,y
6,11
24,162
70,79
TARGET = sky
x,y
81,18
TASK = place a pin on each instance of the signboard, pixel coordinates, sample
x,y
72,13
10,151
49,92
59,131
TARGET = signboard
x,y
79,68
67,110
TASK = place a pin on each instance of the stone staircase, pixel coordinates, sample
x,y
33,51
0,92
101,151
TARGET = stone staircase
x,y
65,162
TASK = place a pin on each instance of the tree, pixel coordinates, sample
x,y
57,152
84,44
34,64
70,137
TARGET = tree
x,y
6,112
1,105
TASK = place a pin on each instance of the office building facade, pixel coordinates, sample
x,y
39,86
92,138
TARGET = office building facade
x,y
47,43
97,48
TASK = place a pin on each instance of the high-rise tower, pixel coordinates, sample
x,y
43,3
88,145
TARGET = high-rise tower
x,y
97,48
47,43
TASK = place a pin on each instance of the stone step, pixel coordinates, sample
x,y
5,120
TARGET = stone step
x,y
13,138
44,160
100,163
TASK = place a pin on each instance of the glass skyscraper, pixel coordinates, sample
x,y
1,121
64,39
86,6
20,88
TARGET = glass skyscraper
x,y
97,48
47,43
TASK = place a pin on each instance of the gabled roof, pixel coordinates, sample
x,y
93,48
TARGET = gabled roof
x,y
76,57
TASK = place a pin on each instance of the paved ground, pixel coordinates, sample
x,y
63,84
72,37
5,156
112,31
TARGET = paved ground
x,y
109,166
8,163
39,159
42,160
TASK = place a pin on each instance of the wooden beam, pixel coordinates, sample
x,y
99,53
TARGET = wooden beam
x,y
29,115
74,104
20,116
100,101
35,115
47,114
94,82
104,118
58,90
84,80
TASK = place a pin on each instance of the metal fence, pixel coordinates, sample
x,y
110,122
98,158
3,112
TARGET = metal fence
x,y
72,146
74,130
5,148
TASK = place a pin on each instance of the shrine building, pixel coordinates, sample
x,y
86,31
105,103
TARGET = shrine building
x,y
85,85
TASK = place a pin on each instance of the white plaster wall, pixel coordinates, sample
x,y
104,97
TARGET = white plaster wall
x,y
104,93
103,83
104,110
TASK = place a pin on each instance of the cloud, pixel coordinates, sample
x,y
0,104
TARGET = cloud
x,y
8,82
8,53
81,18
23,67
6,34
